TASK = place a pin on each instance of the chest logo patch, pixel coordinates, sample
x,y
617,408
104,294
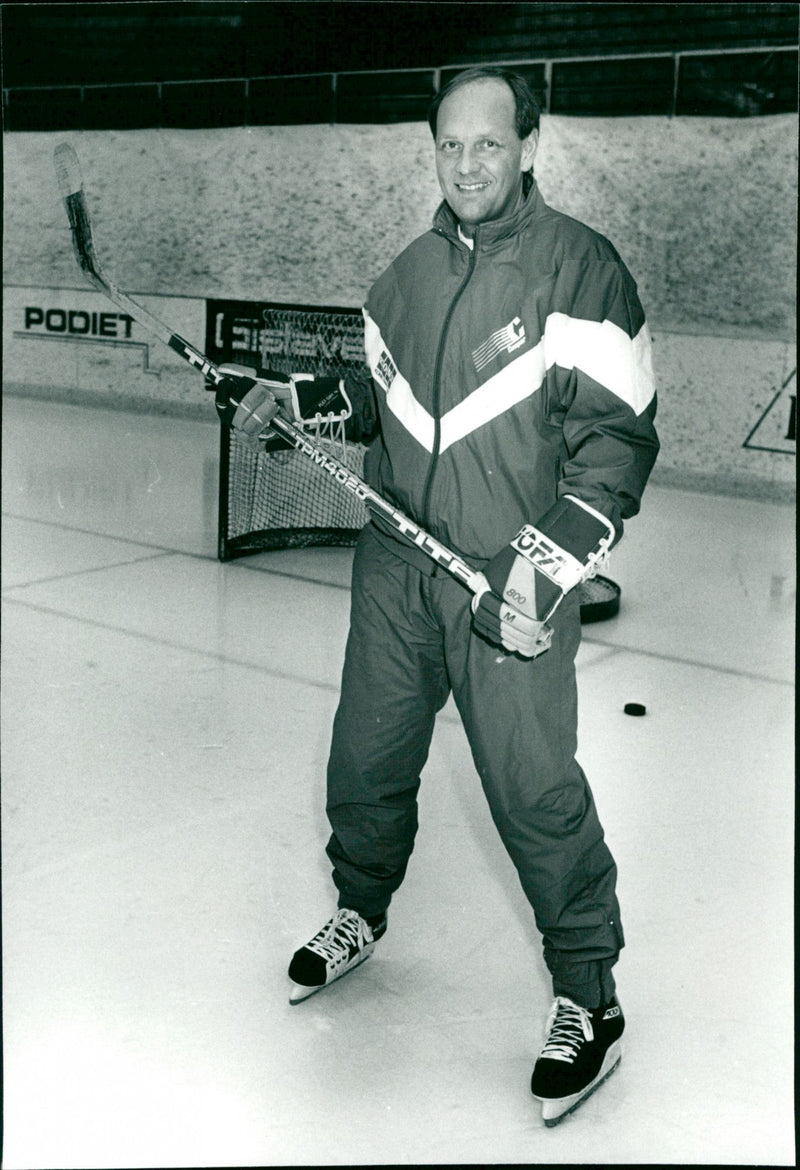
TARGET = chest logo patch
x,y
507,339
385,371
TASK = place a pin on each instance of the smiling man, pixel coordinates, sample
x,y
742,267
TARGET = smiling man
x,y
482,153
511,368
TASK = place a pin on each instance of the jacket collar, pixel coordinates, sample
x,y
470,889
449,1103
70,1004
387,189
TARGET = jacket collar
x,y
489,235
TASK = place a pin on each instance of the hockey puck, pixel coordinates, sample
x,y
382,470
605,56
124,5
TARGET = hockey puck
x,y
635,709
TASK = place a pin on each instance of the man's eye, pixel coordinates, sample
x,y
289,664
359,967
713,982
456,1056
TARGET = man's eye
x,y
489,143
449,146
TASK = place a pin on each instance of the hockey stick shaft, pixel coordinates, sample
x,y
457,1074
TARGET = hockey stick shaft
x,y
71,186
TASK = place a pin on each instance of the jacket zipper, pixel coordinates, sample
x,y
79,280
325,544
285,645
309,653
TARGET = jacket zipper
x,y
437,376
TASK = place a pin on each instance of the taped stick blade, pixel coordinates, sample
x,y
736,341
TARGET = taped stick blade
x,y
70,182
68,169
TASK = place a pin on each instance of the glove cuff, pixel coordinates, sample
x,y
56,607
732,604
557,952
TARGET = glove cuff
x,y
568,544
317,399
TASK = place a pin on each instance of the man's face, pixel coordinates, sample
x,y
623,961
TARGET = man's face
x,y
479,157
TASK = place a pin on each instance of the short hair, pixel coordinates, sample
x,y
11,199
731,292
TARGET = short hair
x,y
527,109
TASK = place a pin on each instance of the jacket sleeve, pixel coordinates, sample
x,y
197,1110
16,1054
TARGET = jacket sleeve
x,y
601,349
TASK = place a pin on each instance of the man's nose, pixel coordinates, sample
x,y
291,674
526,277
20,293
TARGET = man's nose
x,y
467,161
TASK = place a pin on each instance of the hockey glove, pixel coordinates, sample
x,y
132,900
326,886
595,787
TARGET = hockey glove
x,y
530,576
246,404
248,399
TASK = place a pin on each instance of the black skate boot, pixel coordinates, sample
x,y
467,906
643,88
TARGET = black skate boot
x,y
344,942
583,1048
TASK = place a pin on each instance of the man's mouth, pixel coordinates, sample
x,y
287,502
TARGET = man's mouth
x,y
468,187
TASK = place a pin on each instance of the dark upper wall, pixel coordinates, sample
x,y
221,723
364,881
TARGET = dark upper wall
x,y
121,66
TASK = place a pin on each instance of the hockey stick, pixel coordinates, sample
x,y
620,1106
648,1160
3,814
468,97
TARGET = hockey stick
x,y
68,174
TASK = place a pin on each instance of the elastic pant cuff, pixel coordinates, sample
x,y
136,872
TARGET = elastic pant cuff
x,y
590,985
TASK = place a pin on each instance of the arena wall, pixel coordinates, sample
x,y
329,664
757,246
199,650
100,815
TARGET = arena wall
x,y
703,211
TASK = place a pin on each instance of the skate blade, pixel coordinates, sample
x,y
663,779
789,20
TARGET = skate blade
x,y
299,992
556,1109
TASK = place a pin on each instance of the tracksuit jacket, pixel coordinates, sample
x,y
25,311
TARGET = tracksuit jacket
x,y
509,374
506,375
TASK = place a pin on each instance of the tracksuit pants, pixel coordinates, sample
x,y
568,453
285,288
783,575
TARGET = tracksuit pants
x,y
410,644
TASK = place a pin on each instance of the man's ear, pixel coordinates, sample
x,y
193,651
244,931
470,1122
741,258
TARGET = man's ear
x,y
529,146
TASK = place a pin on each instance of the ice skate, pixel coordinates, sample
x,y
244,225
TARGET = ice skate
x,y
344,942
582,1049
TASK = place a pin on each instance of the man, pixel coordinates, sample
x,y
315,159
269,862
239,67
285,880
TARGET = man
x,y
511,364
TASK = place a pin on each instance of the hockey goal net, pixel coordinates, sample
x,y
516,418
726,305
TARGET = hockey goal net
x,y
279,499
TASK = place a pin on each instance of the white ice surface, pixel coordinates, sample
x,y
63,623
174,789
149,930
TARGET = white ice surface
x,y
165,727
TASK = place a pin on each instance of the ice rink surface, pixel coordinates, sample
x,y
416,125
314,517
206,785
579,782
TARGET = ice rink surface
x,y
166,723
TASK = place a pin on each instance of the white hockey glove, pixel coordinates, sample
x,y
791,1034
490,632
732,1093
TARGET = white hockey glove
x,y
531,575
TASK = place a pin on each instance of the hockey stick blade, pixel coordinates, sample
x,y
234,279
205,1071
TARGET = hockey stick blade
x,y
68,174
70,183
68,170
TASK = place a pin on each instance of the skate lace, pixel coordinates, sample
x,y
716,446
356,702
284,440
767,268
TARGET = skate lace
x,y
568,1027
339,938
